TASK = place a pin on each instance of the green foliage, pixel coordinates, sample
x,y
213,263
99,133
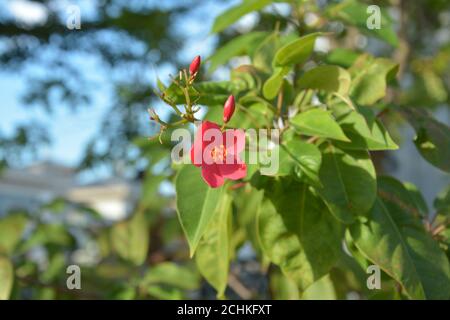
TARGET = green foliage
x,y
396,241
328,78
349,182
196,204
354,12
432,139
296,51
11,231
233,14
214,250
130,238
273,85
370,77
242,45
6,277
318,122
334,112
288,231
364,130
300,159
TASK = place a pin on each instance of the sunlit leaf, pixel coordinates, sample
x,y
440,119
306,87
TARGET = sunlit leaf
x,y
6,278
241,45
433,137
233,14
213,252
196,203
326,77
296,51
130,238
298,233
349,182
318,122
395,240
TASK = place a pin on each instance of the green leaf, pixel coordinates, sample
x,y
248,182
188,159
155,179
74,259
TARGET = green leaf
x,y
428,89
48,234
322,289
341,57
297,51
318,122
273,85
233,14
163,293
6,277
297,232
130,238
364,130
355,13
209,93
301,158
11,230
196,203
396,241
283,288
369,78
442,202
433,137
417,198
214,250
241,45
406,196
349,182
326,77
169,273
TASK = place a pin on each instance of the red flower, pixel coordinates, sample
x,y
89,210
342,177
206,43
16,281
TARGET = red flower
x,y
217,153
195,65
228,109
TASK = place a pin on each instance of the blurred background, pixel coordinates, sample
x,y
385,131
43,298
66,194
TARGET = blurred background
x,y
81,183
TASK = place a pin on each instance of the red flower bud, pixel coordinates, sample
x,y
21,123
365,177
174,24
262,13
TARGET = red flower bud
x,y
195,65
228,109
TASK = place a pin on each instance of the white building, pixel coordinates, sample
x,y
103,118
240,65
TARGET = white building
x,y
32,186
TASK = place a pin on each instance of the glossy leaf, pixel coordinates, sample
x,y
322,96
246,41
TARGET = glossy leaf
x,y
369,78
363,129
196,204
11,230
214,250
6,277
233,14
296,51
299,158
318,122
442,202
273,85
169,273
349,182
355,13
433,137
327,77
396,241
322,289
282,287
130,238
298,233
241,45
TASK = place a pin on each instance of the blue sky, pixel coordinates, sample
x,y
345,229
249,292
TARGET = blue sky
x,y
71,130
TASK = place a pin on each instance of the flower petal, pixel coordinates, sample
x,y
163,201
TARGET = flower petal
x,y
212,176
196,157
234,140
199,142
233,171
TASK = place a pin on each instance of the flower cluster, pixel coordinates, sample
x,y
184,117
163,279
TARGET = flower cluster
x,y
215,149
